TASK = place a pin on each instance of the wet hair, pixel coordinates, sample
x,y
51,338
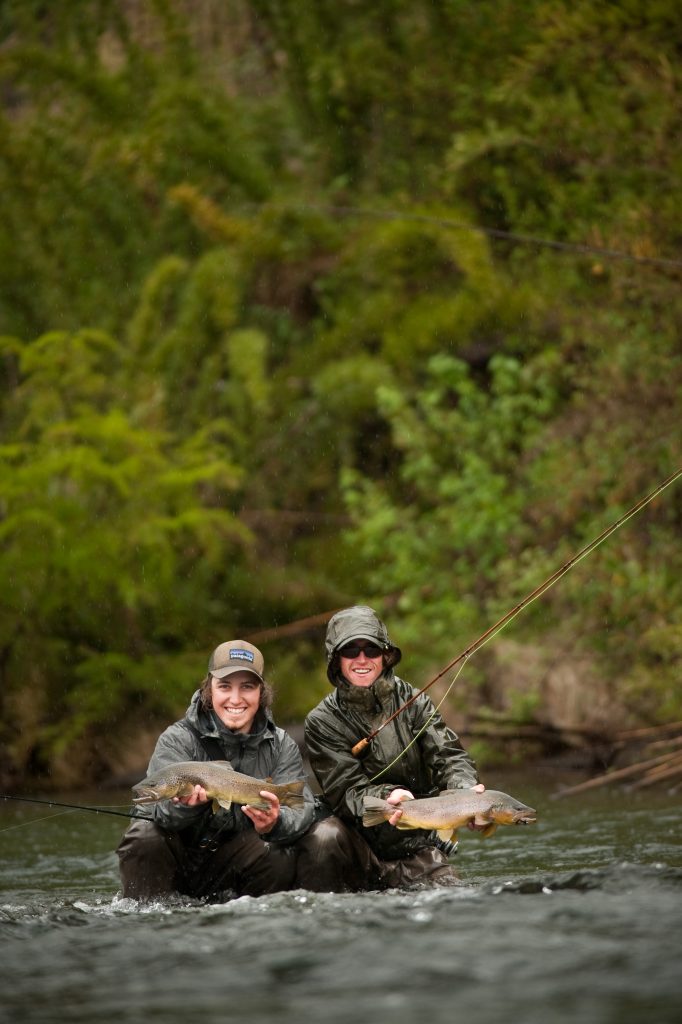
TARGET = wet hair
x,y
205,697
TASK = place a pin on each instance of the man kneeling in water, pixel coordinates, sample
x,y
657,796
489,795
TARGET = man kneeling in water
x,y
360,662
187,849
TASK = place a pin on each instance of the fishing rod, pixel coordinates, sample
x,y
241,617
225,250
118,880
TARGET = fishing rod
x,y
362,745
74,807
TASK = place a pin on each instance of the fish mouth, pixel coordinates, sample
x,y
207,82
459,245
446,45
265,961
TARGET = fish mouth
x,y
146,796
525,818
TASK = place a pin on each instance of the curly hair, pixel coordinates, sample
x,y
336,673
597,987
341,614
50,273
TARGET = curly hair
x,y
266,694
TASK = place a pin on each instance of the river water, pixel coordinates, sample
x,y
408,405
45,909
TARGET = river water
x,y
575,919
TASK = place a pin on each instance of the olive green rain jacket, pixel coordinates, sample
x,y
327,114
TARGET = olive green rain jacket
x,y
436,761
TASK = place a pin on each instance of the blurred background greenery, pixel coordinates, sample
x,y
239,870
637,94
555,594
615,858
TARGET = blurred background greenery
x,y
281,332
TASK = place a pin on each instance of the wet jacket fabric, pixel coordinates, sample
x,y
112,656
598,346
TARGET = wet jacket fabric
x,y
436,761
267,752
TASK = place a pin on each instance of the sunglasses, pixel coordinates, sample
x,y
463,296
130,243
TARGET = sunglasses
x,y
353,650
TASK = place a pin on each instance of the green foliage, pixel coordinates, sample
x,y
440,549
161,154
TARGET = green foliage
x,y
112,124
410,287
245,298
375,84
491,502
581,139
660,656
114,534
436,537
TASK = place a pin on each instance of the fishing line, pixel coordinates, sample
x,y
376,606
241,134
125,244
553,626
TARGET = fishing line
x,y
75,807
425,726
579,248
35,821
529,599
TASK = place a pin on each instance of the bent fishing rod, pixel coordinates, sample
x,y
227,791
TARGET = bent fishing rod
x,y
362,745
74,807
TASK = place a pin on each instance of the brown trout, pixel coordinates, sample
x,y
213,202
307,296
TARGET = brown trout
x,y
223,785
450,810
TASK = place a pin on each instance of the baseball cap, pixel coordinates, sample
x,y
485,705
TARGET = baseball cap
x,y
236,656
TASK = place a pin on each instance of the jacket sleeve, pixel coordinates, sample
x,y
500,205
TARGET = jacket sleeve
x,y
343,782
176,744
450,765
293,821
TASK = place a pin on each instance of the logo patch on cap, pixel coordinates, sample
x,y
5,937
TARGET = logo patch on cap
x,y
239,654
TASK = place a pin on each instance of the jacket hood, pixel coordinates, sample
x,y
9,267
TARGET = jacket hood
x,y
360,622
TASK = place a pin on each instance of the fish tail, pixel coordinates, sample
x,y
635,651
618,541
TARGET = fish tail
x,y
291,793
374,811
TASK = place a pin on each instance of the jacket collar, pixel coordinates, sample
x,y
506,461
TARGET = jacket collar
x,y
207,723
366,698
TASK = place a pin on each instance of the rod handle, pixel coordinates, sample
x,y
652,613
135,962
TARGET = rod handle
x,y
359,748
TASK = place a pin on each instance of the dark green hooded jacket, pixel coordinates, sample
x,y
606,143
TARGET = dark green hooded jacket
x,y
436,761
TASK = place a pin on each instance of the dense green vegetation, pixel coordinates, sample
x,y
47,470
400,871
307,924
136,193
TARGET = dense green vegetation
x,y
280,332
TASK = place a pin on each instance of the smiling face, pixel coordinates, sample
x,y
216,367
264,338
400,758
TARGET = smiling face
x,y
236,700
361,670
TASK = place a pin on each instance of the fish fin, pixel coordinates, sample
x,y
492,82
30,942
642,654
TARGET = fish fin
x,y
374,811
446,834
488,830
291,793
223,802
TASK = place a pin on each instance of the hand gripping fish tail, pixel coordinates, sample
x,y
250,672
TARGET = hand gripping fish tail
x,y
291,793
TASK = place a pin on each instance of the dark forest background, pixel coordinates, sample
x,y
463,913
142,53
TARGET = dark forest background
x,y
304,304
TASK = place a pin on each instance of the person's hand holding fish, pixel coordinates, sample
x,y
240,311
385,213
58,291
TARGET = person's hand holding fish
x,y
197,796
471,825
263,820
394,798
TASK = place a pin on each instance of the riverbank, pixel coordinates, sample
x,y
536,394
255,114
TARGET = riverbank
x,y
642,758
